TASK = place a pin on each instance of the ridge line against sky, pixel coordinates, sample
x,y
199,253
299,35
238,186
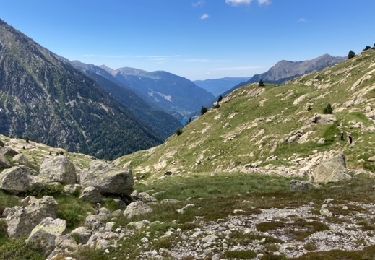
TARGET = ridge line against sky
x,y
196,39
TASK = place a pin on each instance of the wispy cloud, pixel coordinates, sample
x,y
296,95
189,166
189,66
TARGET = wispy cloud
x,y
265,2
238,2
302,20
246,2
199,4
205,17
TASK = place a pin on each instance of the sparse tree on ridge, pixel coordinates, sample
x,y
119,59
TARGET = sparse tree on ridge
x,y
204,110
261,83
351,55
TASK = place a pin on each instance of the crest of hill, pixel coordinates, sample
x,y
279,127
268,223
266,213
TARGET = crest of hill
x,y
275,130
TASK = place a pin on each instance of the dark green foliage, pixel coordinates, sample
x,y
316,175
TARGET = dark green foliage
x,y
179,132
219,99
248,254
46,190
367,48
328,109
351,55
73,210
18,250
261,83
204,110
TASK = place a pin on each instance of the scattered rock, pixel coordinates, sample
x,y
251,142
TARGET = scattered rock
x,y
137,209
324,119
91,194
44,235
22,219
332,170
182,210
21,159
139,225
72,189
95,222
104,239
296,185
81,235
145,197
371,159
58,169
16,179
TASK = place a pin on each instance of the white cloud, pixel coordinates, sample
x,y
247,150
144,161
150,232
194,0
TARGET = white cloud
x,y
238,2
302,20
198,4
205,16
265,2
247,2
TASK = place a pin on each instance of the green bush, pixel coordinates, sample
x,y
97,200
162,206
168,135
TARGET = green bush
x,y
328,109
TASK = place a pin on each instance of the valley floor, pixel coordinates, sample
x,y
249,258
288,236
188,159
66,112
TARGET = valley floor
x,y
249,217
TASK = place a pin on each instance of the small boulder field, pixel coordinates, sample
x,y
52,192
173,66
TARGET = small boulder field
x,y
44,193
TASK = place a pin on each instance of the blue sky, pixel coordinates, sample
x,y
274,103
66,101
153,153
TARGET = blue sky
x,y
194,38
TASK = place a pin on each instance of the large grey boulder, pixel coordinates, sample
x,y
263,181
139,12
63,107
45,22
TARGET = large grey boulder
x,y
332,170
138,208
44,235
21,220
16,179
108,180
58,169
91,194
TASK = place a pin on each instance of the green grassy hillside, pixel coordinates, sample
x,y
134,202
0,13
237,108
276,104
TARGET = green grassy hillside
x,y
271,129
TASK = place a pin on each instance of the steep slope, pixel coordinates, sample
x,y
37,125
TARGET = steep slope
x,y
219,86
176,95
159,122
278,130
284,70
47,100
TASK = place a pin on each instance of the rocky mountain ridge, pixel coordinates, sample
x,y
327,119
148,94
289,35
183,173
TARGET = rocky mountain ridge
x,y
45,99
284,71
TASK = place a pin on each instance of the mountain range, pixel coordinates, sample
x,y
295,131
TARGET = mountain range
x,y
284,71
44,98
164,91
161,123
